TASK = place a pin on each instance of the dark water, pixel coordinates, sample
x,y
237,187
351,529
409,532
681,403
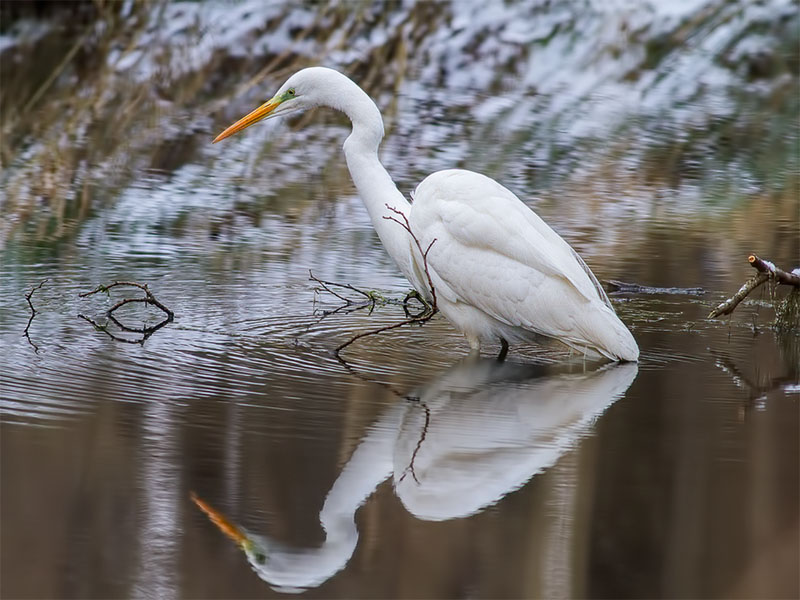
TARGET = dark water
x,y
409,470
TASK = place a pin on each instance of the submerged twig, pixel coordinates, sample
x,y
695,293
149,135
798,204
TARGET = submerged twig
x,y
371,296
34,312
430,308
148,298
620,287
145,331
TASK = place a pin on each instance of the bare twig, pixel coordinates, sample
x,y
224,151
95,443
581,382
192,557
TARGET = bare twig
x,y
407,226
370,296
423,434
430,309
426,317
149,298
726,308
28,297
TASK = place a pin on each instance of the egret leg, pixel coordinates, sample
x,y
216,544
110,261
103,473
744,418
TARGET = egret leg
x,y
474,344
503,350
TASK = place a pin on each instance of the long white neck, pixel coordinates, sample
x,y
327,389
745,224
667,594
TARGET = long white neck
x,y
374,184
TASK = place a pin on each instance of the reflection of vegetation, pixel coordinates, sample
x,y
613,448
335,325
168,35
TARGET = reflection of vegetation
x,y
106,95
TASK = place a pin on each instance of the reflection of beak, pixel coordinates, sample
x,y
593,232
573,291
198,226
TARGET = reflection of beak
x,y
254,117
228,528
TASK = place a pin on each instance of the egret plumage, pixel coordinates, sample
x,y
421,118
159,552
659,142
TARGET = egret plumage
x,y
499,272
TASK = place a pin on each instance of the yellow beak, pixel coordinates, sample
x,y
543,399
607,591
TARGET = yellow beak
x,y
228,528
254,117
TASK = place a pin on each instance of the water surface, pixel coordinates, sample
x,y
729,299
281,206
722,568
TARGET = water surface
x,y
408,470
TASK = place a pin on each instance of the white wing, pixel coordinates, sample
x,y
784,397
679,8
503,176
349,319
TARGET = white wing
x,y
493,253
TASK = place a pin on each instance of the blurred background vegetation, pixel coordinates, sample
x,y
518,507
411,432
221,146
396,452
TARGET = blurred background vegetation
x,y
700,98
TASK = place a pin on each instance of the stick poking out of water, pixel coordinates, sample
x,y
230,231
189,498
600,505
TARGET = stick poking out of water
x,y
767,271
34,312
148,298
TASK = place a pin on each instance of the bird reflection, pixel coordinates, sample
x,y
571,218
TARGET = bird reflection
x,y
473,434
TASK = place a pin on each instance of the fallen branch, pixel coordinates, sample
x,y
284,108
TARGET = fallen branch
x,y
34,312
148,298
145,331
766,271
726,308
429,309
620,287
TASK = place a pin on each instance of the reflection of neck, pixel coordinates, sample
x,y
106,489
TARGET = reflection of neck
x,y
370,464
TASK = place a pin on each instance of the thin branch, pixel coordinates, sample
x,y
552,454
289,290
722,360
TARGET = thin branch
x,y
429,309
325,285
145,330
407,226
28,297
423,434
424,318
727,307
148,299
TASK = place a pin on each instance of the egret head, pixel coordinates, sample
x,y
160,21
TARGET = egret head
x,y
314,86
287,570
256,554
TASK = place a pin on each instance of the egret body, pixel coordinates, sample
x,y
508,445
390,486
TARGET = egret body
x,y
499,271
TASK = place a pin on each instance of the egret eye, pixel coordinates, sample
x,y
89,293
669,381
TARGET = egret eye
x,y
290,92
260,558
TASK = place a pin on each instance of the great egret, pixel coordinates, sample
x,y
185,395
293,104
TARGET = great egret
x,y
477,432
499,272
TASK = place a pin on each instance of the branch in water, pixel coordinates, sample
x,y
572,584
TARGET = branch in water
x,y
621,287
727,307
766,271
149,298
34,312
430,309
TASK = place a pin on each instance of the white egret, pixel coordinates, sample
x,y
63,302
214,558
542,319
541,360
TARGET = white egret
x,y
499,272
